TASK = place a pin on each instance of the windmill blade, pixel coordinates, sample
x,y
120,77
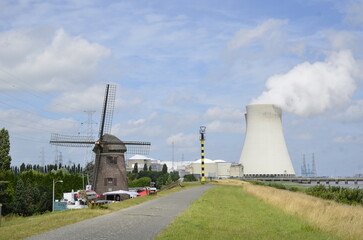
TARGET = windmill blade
x,y
107,111
137,147
71,141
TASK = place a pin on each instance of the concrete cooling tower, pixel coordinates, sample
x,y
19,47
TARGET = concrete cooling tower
x,y
264,151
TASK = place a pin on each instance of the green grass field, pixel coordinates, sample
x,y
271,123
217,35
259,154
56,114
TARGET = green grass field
x,y
22,227
227,212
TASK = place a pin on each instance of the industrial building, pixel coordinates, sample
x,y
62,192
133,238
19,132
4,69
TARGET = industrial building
x,y
215,169
264,152
141,160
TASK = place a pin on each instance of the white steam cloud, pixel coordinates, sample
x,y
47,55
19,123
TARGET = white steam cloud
x,y
313,88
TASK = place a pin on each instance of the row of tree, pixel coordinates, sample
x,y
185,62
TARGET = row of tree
x,y
31,191
160,179
75,169
28,189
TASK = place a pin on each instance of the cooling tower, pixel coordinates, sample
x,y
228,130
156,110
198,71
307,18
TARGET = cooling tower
x,y
264,151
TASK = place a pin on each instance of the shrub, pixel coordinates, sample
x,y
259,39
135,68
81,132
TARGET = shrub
x,y
338,194
190,178
277,185
141,182
258,183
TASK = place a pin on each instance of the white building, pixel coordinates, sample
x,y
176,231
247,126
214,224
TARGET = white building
x,y
216,169
212,168
264,151
141,160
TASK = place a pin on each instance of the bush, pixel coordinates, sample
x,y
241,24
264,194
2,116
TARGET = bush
x,y
338,194
258,183
277,185
141,182
190,178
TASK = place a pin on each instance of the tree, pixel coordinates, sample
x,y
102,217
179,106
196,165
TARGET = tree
x,y
174,175
145,167
19,203
5,158
88,171
22,167
136,169
165,169
29,198
168,180
189,178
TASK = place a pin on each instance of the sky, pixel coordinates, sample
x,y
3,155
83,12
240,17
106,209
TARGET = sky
x,y
179,65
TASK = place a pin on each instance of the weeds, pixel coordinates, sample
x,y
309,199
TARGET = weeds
x,y
339,194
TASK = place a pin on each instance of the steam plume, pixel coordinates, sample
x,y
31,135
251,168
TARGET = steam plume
x,y
313,88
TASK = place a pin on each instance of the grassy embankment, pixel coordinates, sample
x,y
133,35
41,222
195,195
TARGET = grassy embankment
x,y
229,212
339,219
22,227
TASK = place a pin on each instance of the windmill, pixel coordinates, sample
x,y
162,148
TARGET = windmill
x,y
109,168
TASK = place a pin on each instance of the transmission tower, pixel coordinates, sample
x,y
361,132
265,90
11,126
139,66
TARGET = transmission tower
x,y
313,168
60,159
303,167
56,156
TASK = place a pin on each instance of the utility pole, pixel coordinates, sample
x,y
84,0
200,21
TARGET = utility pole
x,y
202,138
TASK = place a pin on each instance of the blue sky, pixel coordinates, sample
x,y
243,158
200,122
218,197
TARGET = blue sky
x,y
182,64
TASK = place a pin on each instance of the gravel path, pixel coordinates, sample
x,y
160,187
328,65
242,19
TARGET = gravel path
x,y
143,221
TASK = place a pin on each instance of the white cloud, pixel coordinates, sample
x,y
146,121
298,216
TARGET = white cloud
x,y
79,100
145,127
218,126
353,12
341,40
311,89
25,122
224,114
353,113
185,140
349,139
268,31
179,98
30,62
91,98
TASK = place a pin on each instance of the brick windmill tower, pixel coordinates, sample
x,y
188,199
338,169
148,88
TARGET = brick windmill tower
x,y
110,168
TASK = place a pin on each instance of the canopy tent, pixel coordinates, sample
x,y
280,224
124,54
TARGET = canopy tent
x,y
132,194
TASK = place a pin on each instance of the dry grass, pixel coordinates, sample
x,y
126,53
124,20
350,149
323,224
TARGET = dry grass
x,y
229,182
342,220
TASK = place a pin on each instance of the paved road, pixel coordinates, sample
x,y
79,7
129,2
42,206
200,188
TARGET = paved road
x,y
143,221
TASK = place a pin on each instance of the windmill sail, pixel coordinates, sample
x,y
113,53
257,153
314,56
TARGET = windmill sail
x,y
107,111
71,141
